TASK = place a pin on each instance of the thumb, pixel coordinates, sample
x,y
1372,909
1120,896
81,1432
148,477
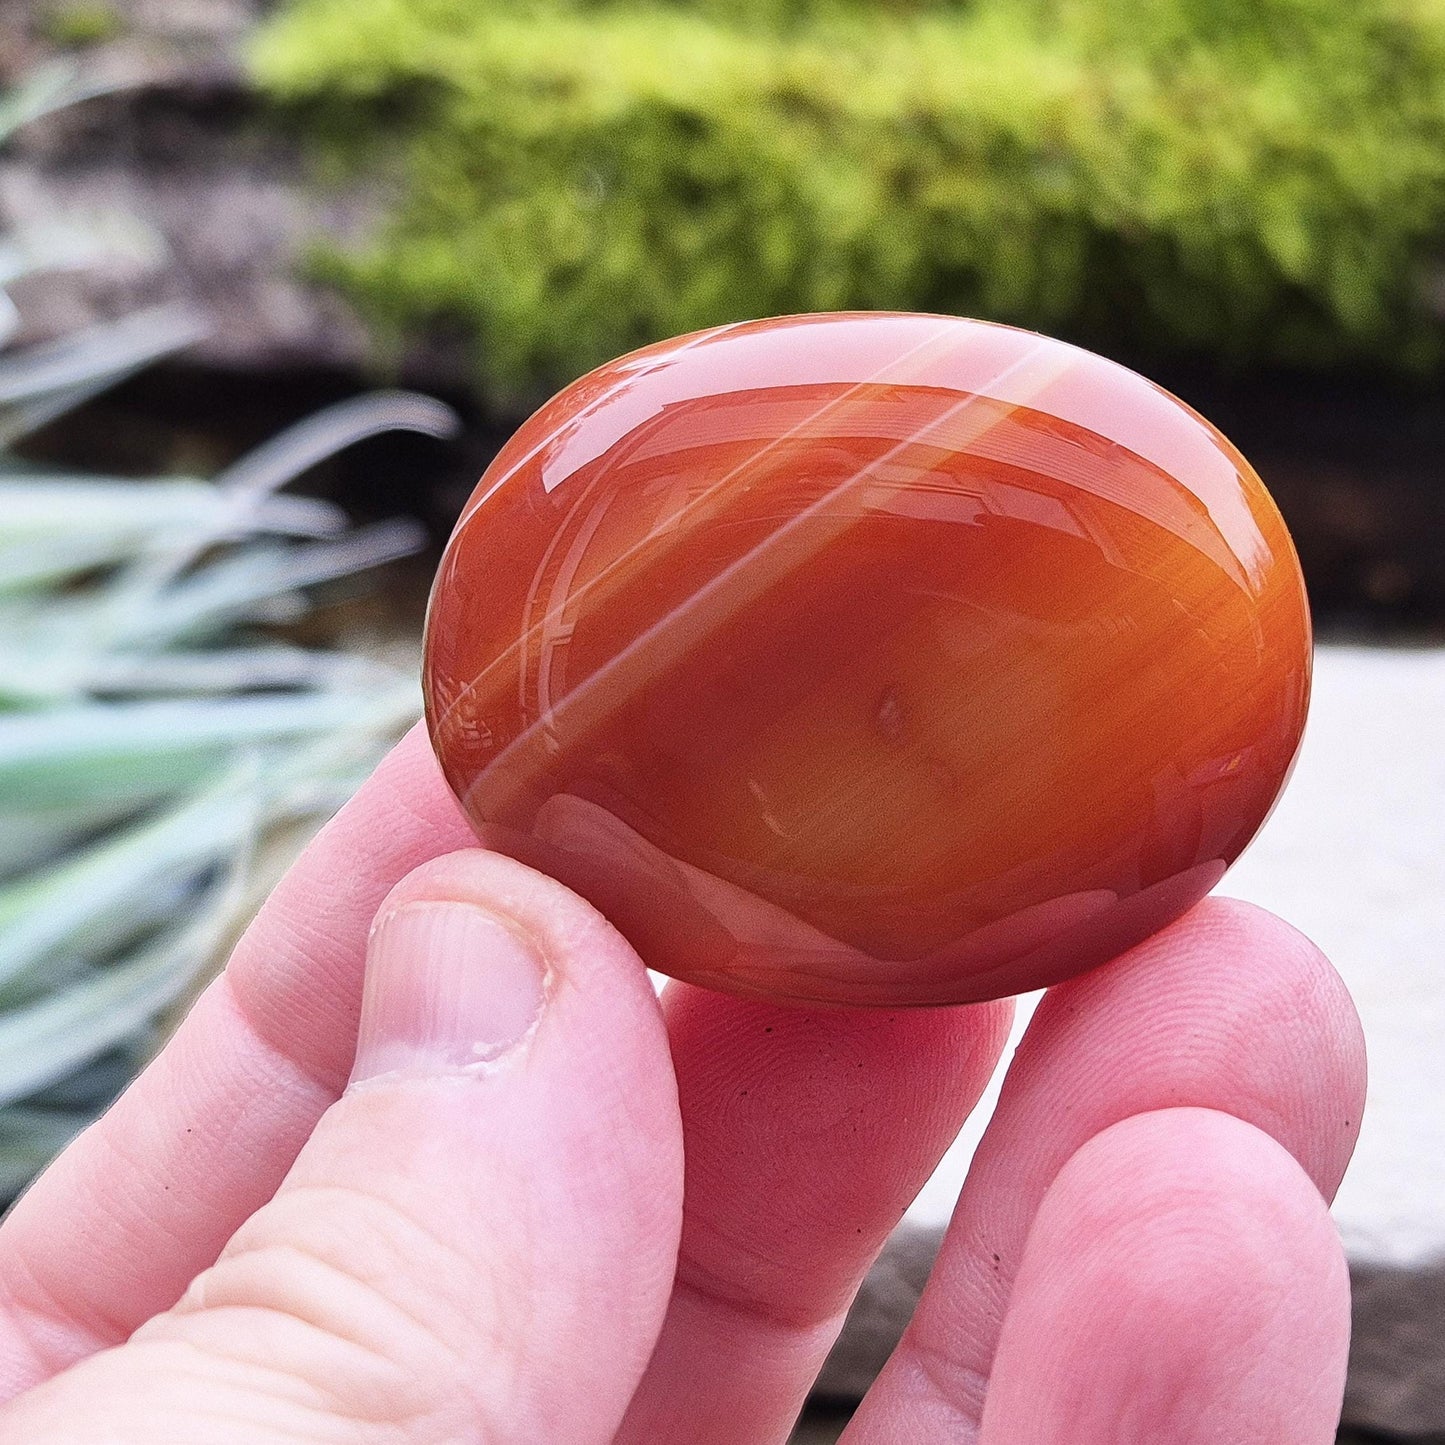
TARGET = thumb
x,y
479,1239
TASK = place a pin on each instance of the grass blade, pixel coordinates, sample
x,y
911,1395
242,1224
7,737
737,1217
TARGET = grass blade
x,y
301,447
30,1138
136,752
47,380
270,466
46,1040
98,899
229,590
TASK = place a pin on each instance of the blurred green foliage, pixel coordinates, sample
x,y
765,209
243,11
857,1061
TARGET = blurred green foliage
x,y
1257,180
81,22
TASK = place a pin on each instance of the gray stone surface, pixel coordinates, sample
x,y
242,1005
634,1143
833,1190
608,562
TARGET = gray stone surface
x,y
1355,856
819,1427
1397,1358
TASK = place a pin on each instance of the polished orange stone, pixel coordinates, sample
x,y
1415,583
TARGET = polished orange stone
x,y
870,659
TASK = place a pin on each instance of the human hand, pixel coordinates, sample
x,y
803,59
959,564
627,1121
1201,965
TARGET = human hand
x,y
247,1249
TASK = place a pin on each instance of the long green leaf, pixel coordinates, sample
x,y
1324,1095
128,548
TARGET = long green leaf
x,y
36,505
137,752
249,482
52,87
104,895
97,899
46,1040
37,833
45,381
30,1138
312,440
52,528
33,675
230,589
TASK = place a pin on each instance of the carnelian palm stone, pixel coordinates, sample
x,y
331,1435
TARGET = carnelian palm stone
x,y
870,659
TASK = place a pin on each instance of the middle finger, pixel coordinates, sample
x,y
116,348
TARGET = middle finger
x,y
806,1133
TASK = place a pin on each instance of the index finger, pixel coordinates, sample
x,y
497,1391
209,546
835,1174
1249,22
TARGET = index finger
x,y
144,1200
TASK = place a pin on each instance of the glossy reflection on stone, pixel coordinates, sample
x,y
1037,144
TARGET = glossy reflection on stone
x,y
870,658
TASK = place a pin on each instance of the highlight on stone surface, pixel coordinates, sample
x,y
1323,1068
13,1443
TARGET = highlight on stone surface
x,y
870,659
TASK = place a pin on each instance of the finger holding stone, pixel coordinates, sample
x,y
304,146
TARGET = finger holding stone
x,y
807,1133
1227,1009
1182,1282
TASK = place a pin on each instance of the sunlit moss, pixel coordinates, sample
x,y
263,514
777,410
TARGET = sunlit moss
x,y
1262,180
84,22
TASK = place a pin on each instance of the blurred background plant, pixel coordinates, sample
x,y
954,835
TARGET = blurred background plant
x,y
162,743
1258,181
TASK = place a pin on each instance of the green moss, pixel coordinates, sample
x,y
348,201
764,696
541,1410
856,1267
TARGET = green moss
x,y
87,22
1262,180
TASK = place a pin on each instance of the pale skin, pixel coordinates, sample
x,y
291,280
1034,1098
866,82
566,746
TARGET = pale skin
x,y
643,1221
